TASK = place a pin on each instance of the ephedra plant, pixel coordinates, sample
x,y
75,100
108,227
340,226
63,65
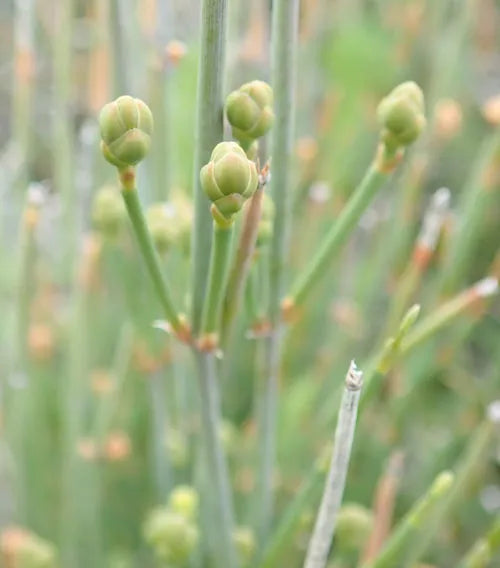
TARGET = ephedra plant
x,y
200,419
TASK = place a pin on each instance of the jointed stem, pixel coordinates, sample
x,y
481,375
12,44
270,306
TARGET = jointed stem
x,y
319,546
219,478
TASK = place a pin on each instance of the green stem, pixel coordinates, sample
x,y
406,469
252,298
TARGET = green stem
x,y
421,513
209,131
349,217
285,19
217,278
217,466
483,551
131,198
472,461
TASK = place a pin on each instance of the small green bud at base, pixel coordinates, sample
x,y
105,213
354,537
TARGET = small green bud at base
x,y
266,222
108,211
228,180
401,116
126,126
172,537
249,110
354,525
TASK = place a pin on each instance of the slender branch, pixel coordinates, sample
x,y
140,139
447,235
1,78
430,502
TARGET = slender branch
x,y
131,198
319,545
416,518
208,134
217,278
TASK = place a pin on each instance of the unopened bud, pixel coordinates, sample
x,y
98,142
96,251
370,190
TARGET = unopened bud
x,y
265,228
401,115
126,127
244,540
250,111
354,525
229,179
161,225
172,536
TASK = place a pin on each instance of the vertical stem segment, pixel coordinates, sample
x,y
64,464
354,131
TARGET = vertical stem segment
x,y
131,198
217,278
284,46
319,546
217,467
208,134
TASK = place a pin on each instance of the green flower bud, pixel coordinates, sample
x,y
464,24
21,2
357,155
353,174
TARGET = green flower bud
x,y
249,110
228,436
108,211
401,115
229,179
354,525
160,219
172,536
265,228
244,541
184,500
126,127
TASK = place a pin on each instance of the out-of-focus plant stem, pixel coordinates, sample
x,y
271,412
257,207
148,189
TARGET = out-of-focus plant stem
x,y
63,140
483,550
208,134
283,59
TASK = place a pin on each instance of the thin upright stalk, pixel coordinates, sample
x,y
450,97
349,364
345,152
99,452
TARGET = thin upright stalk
x,y
217,467
217,278
131,198
324,528
209,132
284,47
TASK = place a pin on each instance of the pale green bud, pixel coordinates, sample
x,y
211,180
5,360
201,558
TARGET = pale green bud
x,y
245,543
126,128
108,211
250,111
401,115
229,436
184,500
172,536
177,448
354,525
229,179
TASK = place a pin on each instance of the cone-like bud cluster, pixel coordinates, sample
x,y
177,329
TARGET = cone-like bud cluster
x,y
265,229
245,543
249,110
126,128
171,531
354,525
401,115
229,179
108,211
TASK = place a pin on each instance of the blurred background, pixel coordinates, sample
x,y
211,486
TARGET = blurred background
x,y
99,411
